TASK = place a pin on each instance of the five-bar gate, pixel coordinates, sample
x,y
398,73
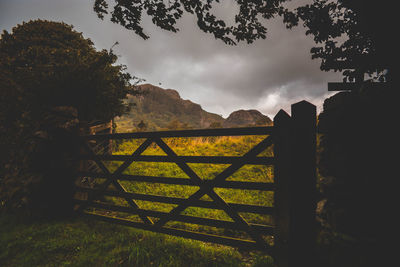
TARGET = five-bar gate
x,y
291,236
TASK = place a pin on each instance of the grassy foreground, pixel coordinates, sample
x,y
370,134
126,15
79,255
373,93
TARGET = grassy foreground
x,y
84,242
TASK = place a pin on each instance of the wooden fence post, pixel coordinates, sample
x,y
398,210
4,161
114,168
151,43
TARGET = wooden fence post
x,y
83,129
303,185
282,175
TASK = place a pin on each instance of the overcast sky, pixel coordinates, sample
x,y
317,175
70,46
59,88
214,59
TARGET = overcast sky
x,y
267,75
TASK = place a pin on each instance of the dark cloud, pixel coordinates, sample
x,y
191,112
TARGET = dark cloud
x,y
268,75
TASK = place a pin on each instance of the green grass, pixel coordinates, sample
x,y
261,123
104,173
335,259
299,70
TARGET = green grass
x,y
232,146
84,242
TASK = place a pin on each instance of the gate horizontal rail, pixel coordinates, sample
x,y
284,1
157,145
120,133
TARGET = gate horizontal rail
x,y
262,186
186,159
175,200
266,130
228,241
264,229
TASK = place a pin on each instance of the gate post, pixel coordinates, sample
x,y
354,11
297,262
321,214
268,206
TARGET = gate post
x,y
303,185
282,194
295,186
83,129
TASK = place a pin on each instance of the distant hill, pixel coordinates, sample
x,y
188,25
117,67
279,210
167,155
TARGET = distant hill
x,y
157,108
246,118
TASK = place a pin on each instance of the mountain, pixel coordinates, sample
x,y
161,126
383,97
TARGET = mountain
x,y
157,108
246,118
160,108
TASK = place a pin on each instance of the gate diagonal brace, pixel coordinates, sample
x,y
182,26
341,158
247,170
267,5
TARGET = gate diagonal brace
x,y
113,177
206,187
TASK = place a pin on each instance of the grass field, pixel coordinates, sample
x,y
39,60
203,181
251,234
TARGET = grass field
x,y
85,242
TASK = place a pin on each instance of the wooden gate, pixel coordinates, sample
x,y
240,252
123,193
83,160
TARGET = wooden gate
x,y
293,141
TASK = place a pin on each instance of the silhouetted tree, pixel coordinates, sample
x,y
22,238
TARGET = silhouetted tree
x,y
166,14
353,36
361,23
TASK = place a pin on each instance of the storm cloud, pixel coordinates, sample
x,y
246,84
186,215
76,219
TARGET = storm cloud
x,y
267,75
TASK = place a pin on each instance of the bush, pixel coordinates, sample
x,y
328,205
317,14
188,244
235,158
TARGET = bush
x,y
50,77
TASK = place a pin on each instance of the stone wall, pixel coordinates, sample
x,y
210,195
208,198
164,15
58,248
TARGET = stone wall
x,y
355,160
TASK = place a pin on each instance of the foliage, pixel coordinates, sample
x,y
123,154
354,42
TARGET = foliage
x,y
55,66
165,15
49,76
346,37
360,23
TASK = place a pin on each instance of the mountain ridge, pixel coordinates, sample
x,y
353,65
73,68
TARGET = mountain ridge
x,y
156,108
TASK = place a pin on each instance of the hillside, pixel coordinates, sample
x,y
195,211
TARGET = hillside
x,y
160,108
